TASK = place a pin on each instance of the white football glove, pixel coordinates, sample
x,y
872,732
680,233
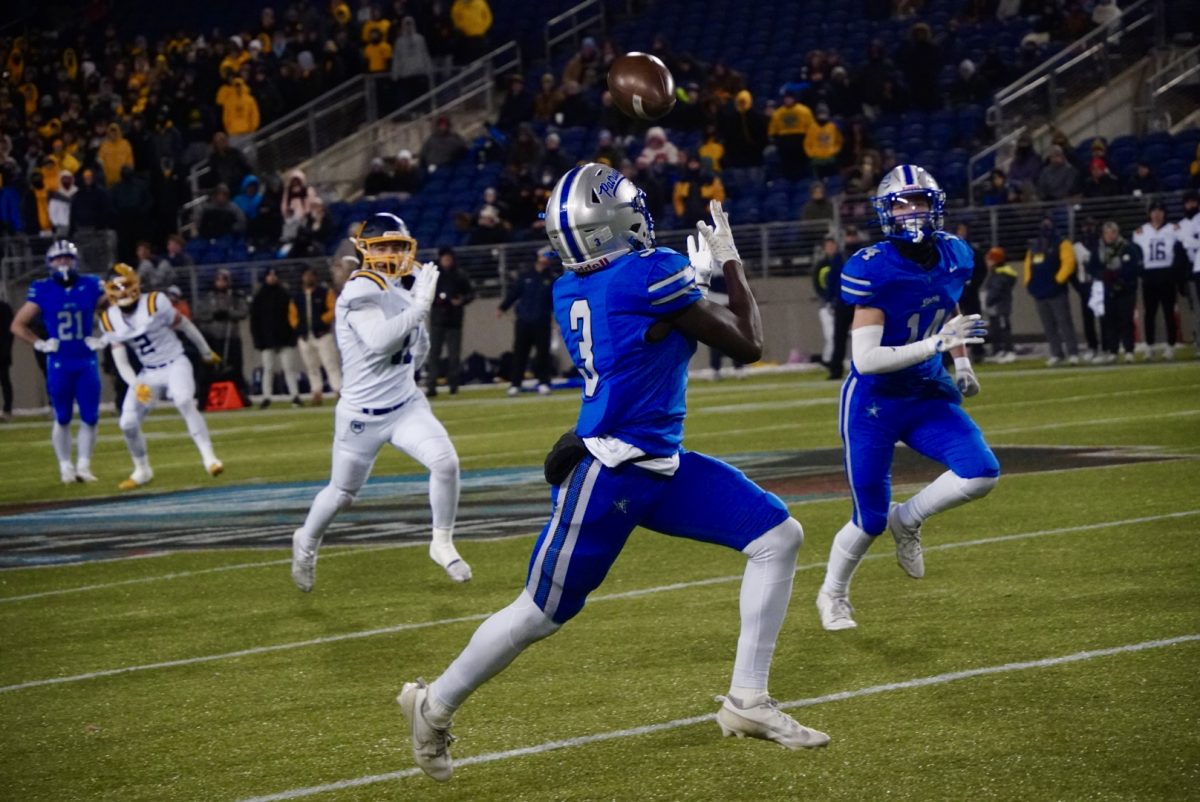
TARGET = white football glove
x,y
718,236
425,285
701,259
964,377
94,343
960,330
46,346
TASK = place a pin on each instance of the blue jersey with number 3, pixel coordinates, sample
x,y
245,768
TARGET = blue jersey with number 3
x,y
68,313
915,301
633,389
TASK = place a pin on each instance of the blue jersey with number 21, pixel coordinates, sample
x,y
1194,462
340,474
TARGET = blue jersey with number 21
x,y
68,312
915,301
633,389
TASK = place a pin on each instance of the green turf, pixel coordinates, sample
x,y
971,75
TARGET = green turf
x,y
1119,727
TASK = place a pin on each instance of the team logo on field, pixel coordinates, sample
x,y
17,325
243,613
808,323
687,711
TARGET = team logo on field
x,y
357,426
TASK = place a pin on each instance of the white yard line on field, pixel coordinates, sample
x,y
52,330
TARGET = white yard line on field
x,y
631,594
665,726
1156,416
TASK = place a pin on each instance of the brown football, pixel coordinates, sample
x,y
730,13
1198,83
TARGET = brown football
x,y
641,86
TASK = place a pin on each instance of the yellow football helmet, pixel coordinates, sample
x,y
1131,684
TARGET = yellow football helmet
x,y
385,245
123,287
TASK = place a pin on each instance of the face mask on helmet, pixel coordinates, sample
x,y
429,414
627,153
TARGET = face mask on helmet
x,y
385,246
910,204
596,215
123,288
63,260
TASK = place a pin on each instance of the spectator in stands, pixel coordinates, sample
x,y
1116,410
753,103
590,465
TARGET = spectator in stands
x,y
240,114
997,305
472,19
823,144
296,203
378,180
711,150
227,165
576,110
1105,11
994,71
35,207
1025,167
152,273
533,295
408,178
547,101
58,205
969,87
657,150
998,191
1100,183
921,60
266,91
1115,264
1194,170
219,314
133,205
176,256
1162,251
788,128
1049,266
607,151
517,106
170,191
488,229
818,206
311,316
91,208
113,154
695,187
1086,243
454,291
219,217
444,145
827,284
377,53
969,303
274,337
249,198
553,160
525,149
584,66
842,96
743,130
1059,179
870,77
1142,181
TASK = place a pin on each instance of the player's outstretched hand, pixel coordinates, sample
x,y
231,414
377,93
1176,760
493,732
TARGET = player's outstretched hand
x,y
719,236
212,358
46,346
94,343
425,285
701,258
964,377
961,330
143,393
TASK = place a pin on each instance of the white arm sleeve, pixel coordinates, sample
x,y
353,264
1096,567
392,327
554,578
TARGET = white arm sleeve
x,y
380,334
420,349
188,329
871,357
121,360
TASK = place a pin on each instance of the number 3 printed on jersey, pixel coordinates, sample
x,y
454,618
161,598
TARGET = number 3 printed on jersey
x,y
581,321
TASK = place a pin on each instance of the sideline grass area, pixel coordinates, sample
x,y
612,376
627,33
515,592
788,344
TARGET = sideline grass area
x,y
1116,727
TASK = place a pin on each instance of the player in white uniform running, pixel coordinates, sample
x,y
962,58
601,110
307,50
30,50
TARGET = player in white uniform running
x,y
148,324
383,340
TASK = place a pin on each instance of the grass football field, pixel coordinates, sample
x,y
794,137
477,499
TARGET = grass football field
x,y
1052,651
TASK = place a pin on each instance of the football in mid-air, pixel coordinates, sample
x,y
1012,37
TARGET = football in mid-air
x,y
642,87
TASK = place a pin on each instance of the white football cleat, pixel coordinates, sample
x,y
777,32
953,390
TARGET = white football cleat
x,y
67,473
304,564
430,744
1168,352
835,612
136,479
761,717
1052,361
83,473
442,552
908,544
543,389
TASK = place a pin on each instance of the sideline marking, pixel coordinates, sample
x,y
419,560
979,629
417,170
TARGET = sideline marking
x,y
629,594
650,729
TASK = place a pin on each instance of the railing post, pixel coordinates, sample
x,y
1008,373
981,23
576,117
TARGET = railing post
x,y
313,150
502,269
765,248
994,225
1053,104
372,95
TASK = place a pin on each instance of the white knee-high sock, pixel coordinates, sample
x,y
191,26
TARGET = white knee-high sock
x,y
496,643
85,443
444,490
325,506
60,436
136,443
849,546
766,591
944,493
198,429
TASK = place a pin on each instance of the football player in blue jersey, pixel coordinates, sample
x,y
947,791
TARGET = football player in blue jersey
x,y
905,292
67,303
631,315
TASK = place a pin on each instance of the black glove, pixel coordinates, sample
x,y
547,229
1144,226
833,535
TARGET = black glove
x,y
563,457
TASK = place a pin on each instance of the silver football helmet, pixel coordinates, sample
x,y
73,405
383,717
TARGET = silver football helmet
x,y
595,215
893,203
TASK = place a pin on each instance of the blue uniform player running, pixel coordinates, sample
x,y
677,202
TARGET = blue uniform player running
x,y
631,315
905,290
67,303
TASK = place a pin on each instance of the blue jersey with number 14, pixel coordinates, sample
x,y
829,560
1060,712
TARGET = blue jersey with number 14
x,y
633,389
915,301
68,312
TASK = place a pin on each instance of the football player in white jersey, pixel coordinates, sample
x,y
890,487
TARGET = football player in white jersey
x,y
148,323
1189,227
1158,240
381,334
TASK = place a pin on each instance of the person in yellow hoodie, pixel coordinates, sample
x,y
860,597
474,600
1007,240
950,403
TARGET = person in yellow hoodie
x,y
114,153
1049,266
789,125
472,19
240,113
693,191
823,143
